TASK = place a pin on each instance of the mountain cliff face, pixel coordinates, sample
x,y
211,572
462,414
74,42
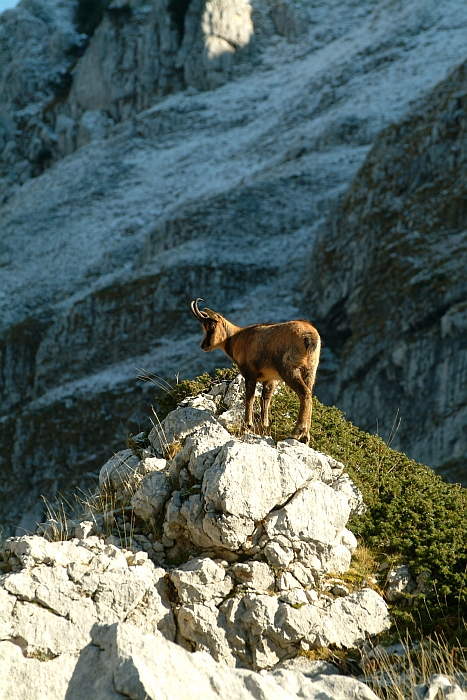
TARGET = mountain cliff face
x,y
392,285
170,152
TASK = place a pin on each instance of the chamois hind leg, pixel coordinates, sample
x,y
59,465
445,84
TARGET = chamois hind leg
x,y
250,387
266,396
302,384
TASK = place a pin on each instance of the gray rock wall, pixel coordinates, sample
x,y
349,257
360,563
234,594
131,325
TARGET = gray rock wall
x,y
390,288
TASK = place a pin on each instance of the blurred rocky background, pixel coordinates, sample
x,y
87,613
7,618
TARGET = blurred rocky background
x,y
279,159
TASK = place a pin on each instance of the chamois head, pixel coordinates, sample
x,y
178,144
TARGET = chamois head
x,y
213,328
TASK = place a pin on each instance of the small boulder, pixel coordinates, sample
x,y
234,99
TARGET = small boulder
x,y
201,579
151,496
257,575
119,471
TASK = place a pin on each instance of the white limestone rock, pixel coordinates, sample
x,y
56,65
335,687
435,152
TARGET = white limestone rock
x,y
352,618
257,575
399,582
320,466
279,552
32,550
123,661
229,531
275,504
64,588
214,31
152,464
83,529
203,625
248,480
201,579
120,471
192,511
345,622
184,520
234,399
277,627
202,402
315,513
295,597
309,668
287,581
200,450
348,539
439,686
302,573
327,686
345,485
338,560
151,496
178,425
26,678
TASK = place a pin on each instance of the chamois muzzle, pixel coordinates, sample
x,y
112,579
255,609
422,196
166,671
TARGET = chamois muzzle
x,y
200,315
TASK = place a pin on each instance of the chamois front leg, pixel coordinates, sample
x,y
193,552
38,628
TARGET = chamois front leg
x,y
266,396
250,387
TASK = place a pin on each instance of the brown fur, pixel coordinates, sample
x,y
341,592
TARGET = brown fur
x,y
268,353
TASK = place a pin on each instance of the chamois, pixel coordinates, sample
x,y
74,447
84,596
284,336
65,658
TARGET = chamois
x,y
267,353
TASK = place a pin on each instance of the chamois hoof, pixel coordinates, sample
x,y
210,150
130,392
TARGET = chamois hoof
x,y
301,437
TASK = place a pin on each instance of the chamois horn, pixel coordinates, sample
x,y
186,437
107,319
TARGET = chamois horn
x,y
200,315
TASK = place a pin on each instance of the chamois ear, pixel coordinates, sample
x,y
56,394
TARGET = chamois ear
x,y
212,315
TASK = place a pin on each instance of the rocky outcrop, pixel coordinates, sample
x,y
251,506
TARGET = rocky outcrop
x,y
215,193
231,548
131,58
215,32
391,291
122,661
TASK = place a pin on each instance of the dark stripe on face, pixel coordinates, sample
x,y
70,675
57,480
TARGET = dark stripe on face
x,y
207,340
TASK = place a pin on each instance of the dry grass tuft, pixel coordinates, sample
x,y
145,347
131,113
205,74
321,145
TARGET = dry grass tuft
x,y
393,672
